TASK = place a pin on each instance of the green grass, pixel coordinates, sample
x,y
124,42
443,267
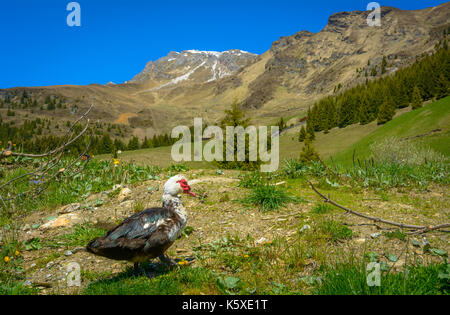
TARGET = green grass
x,y
415,123
321,208
268,197
334,231
351,279
81,236
339,143
168,282
96,177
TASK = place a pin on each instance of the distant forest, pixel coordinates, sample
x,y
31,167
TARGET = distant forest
x,y
428,78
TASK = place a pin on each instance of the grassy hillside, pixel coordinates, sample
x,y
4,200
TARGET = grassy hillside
x,y
340,143
428,125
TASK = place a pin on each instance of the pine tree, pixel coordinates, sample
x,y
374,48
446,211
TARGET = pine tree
x,y
281,124
310,129
302,134
133,144
383,65
442,87
308,153
386,112
235,117
417,100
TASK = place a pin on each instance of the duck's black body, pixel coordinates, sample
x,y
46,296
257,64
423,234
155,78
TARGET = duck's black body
x,y
141,237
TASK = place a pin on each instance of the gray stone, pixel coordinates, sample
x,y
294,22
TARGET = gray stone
x,y
375,235
305,228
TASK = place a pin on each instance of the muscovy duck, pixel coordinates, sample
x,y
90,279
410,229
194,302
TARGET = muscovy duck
x,y
148,234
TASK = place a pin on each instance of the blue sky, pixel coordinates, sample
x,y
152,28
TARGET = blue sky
x,y
118,37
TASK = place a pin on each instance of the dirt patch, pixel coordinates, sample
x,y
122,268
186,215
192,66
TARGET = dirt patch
x,y
124,118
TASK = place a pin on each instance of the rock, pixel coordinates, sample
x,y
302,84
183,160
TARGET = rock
x,y
26,228
124,194
68,253
360,240
116,187
49,276
65,220
27,283
305,228
375,235
262,240
50,265
70,208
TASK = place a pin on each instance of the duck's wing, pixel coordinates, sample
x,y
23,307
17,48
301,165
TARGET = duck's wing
x,y
151,228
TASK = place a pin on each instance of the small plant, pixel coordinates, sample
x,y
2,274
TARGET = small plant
x,y
395,234
321,208
268,197
81,235
251,179
138,206
335,231
177,168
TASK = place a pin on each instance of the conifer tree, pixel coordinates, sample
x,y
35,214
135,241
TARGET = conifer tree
x,y
308,153
386,112
235,117
302,134
310,129
417,100
383,65
133,144
442,87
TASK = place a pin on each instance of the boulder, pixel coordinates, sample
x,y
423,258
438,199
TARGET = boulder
x,y
65,220
124,194
70,208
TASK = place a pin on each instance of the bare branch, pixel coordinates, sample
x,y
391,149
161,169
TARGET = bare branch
x,y
416,229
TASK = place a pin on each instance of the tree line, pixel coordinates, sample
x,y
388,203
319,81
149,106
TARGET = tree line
x,y
426,79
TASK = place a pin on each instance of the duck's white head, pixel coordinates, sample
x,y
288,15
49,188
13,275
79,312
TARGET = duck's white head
x,y
177,185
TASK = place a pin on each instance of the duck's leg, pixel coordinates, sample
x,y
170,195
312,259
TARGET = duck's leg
x,y
137,270
168,261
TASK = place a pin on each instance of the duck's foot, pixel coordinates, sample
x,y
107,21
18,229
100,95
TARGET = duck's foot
x,y
138,271
168,261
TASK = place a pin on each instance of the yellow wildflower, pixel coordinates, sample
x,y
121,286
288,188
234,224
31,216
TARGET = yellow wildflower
x,y
6,259
116,162
246,256
17,253
183,262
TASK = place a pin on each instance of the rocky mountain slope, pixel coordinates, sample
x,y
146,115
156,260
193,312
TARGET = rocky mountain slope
x,y
284,81
193,66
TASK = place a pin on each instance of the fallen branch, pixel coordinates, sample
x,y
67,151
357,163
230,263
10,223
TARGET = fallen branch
x,y
416,229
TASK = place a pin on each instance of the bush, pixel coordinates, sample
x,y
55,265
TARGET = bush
x,y
268,197
396,151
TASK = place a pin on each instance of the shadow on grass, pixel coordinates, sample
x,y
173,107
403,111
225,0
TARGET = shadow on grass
x,y
158,280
